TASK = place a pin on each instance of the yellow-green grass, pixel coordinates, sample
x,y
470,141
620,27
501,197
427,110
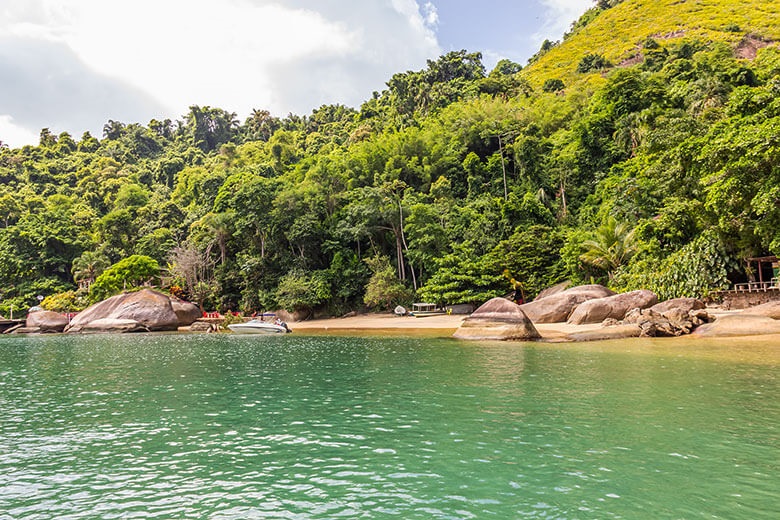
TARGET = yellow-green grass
x,y
617,33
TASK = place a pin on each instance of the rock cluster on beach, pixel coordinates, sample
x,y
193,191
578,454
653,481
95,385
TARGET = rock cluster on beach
x,y
611,307
558,306
632,314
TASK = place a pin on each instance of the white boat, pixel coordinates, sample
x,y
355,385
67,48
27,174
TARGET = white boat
x,y
258,326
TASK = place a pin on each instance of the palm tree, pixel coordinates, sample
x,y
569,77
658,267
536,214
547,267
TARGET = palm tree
x,y
220,227
88,267
613,245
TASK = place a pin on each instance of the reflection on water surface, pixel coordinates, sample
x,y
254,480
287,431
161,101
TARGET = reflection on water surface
x,y
223,426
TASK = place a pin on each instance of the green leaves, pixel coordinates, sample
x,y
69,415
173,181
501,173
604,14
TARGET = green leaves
x,y
613,244
384,291
128,273
446,180
299,290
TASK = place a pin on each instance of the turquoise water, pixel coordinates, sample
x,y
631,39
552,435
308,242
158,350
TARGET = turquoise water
x,y
221,426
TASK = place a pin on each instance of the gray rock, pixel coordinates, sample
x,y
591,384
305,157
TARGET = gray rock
x,y
555,289
614,332
19,329
674,322
498,319
186,312
203,326
686,304
599,309
739,325
149,310
46,321
768,310
557,308
112,325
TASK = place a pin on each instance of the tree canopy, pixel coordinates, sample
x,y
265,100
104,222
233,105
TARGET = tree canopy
x,y
453,185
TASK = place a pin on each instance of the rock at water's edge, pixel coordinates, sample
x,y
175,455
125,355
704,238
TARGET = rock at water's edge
x,y
203,326
768,310
675,321
150,310
186,312
113,325
46,321
738,325
498,319
616,332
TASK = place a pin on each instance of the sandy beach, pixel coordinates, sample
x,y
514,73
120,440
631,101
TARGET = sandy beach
x,y
440,325
388,324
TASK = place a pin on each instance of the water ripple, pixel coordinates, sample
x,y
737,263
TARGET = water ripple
x,y
224,427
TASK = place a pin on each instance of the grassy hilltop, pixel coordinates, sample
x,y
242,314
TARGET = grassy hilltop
x,y
619,33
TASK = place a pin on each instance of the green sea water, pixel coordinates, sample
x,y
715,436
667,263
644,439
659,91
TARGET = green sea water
x,y
296,427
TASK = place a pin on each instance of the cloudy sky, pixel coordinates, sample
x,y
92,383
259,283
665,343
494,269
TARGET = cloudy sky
x,y
71,65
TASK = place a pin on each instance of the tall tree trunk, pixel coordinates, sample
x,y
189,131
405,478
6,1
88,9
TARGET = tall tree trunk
x,y
503,167
399,251
403,241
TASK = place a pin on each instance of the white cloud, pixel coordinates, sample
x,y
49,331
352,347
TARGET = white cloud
x,y
430,14
200,52
559,16
14,135
283,55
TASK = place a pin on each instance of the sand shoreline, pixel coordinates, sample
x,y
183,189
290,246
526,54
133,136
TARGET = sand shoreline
x,y
434,326
443,325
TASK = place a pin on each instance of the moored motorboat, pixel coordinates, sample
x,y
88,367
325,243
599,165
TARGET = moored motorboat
x,y
258,326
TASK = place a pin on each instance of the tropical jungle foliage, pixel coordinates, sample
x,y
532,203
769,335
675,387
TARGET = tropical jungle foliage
x,y
641,151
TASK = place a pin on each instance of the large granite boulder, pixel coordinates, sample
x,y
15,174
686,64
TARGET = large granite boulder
x,y
46,321
149,310
768,310
607,333
614,307
186,312
498,319
684,304
738,325
111,325
557,307
555,289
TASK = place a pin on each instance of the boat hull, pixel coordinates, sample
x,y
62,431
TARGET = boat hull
x,y
257,328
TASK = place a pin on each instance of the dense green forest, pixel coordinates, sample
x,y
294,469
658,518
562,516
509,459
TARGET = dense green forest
x,y
644,162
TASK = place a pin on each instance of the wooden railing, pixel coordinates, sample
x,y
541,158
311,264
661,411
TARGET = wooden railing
x,y
771,285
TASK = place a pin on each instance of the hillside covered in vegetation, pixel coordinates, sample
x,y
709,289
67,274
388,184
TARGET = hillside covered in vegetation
x,y
642,150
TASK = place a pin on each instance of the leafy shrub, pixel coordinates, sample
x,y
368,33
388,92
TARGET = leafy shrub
x,y
553,85
128,273
384,290
461,278
27,295
695,270
68,301
591,62
299,290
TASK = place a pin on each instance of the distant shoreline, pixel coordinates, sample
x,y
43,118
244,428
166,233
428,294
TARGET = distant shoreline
x,y
441,326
